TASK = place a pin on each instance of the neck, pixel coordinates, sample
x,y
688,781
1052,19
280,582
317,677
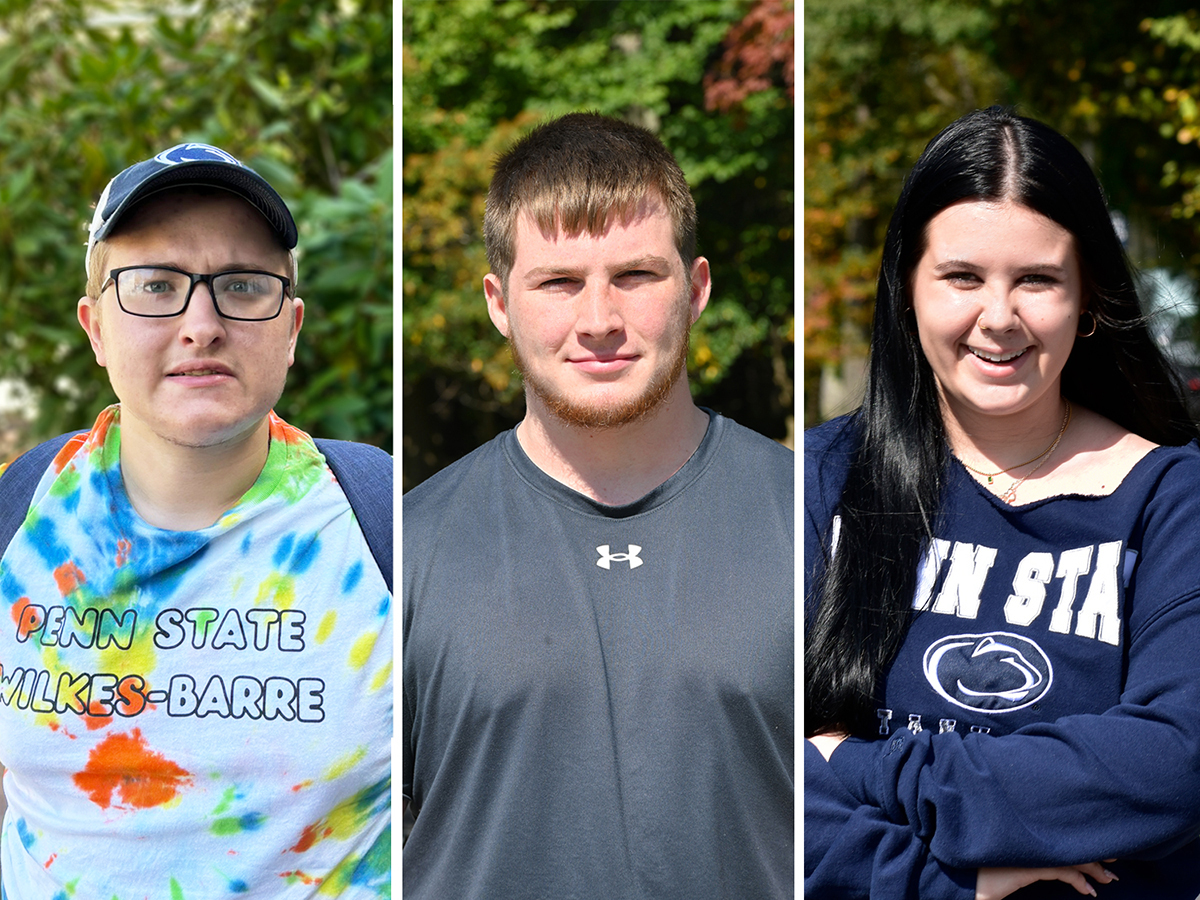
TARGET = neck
x,y
1003,441
618,465
181,488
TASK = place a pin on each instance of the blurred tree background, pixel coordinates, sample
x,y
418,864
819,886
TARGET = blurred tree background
x,y
882,77
713,78
301,90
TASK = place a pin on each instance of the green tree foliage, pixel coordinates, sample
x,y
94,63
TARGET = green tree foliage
x,y
882,77
478,74
299,89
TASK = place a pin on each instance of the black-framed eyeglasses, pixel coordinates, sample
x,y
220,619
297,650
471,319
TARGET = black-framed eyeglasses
x,y
158,292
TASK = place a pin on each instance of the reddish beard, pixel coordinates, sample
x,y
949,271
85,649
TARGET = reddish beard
x,y
571,411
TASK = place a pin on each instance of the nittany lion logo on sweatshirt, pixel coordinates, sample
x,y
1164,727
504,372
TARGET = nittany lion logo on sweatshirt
x,y
988,673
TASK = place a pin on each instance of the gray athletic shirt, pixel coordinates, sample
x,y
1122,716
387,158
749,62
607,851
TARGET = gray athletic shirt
x,y
598,700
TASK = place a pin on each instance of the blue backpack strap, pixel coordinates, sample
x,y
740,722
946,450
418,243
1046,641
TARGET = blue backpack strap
x,y
19,481
365,474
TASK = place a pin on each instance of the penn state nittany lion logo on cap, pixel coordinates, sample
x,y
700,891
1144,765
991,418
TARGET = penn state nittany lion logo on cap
x,y
187,164
186,153
988,673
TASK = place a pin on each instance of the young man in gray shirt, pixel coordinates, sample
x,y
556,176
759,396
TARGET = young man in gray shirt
x,y
598,604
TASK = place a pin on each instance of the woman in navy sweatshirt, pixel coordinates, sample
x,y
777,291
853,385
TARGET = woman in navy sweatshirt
x,y
1002,556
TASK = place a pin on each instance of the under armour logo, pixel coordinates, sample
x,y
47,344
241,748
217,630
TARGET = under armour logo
x,y
607,559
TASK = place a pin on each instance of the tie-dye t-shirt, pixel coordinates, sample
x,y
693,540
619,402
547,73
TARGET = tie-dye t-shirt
x,y
199,714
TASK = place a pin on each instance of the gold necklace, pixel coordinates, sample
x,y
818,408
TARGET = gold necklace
x,y
1010,494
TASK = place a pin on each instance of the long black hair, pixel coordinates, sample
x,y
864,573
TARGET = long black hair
x,y
893,492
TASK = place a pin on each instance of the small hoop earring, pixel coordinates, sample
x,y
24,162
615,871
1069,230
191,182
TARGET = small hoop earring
x,y
1092,330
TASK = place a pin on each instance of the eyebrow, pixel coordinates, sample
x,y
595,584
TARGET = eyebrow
x,y
951,265
231,267
642,262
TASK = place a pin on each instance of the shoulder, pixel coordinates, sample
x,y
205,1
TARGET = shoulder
x,y
751,440
447,520
837,436
754,453
20,474
1104,449
464,478
1105,457
1160,502
746,476
1172,472
829,449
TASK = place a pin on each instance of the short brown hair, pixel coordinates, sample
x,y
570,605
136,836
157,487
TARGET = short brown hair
x,y
574,173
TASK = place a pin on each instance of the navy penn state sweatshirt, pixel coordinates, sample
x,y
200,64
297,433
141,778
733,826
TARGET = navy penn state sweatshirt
x,y
1044,708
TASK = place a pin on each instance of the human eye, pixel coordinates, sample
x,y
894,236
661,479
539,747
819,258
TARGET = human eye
x,y
637,279
150,283
252,284
1039,280
248,295
559,283
149,291
962,279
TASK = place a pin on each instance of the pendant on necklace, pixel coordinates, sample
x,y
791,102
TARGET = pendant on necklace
x,y
989,479
1009,495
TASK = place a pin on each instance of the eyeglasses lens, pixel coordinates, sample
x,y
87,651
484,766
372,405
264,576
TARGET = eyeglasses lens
x,y
164,292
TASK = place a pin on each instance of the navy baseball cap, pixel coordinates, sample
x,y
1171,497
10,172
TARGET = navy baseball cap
x,y
183,165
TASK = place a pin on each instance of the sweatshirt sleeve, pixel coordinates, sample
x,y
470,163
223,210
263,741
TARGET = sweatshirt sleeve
x,y
1121,784
852,850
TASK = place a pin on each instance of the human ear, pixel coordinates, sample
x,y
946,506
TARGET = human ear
x,y
297,321
493,291
701,286
88,313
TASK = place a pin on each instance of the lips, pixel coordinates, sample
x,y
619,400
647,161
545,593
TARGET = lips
x,y
998,357
603,365
198,369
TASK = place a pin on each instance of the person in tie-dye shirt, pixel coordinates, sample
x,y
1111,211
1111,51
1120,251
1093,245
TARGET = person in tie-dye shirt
x,y
195,640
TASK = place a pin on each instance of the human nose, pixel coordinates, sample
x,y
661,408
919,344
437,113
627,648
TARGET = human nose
x,y
999,312
200,322
598,314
